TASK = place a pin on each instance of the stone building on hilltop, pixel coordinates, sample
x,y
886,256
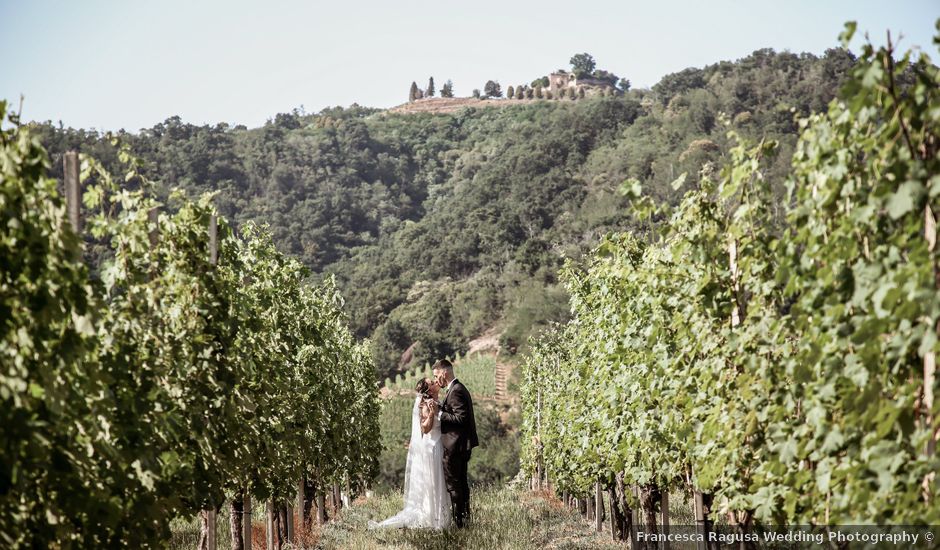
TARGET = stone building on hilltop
x,y
564,80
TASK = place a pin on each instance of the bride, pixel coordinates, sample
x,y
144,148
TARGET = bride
x,y
427,502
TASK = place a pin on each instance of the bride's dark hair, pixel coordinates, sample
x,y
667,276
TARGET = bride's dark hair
x,y
422,387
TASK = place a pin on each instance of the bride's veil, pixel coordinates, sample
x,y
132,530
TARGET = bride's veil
x,y
414,447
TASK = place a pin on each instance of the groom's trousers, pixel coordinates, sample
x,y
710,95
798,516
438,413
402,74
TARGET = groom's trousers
x,y
455,476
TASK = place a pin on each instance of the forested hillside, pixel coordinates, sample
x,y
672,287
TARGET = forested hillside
x,y
441,226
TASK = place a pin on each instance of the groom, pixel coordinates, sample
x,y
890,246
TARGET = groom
x,y
458,436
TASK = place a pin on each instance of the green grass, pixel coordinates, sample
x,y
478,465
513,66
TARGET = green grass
x,y
504,518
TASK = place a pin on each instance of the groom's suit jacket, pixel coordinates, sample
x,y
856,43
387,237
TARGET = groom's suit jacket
x,y
458,427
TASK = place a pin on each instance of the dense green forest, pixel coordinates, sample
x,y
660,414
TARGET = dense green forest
x,y
438,227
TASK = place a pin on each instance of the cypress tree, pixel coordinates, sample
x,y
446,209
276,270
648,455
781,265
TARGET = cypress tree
x,y
413,93
430,88
448,89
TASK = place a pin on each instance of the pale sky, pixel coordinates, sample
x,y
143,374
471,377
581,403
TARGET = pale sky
x,y
131,64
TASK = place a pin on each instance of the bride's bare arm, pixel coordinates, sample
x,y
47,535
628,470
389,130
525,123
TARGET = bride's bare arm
x,y
428,410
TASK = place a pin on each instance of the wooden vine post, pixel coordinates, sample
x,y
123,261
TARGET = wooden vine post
x,y
211,543
664,509
538,428
246,519
269,535
301,504
321,507
614,520
153,235
930,358
213,240
737,311
210,513
735,283
701,501
73,194
289,521
638,510
598,507
701,517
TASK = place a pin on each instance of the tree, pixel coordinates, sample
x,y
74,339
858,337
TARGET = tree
x,y
674,84
510,92
538,91
492,89
430,92
448,89
520,92
624,84
543,82
413,93
529,93
476,93
582,64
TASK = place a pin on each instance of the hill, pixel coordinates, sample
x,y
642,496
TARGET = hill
x,y
439,225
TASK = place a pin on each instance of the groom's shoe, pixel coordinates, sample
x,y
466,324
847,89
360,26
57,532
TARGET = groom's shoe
x,y
461,517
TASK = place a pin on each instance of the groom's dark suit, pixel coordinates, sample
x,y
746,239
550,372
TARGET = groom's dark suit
x,y
458,437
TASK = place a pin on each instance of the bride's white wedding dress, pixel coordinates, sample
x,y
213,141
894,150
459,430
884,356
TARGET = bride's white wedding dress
x,y
427,502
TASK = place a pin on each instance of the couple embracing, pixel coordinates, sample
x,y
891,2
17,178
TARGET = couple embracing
x,y
443,433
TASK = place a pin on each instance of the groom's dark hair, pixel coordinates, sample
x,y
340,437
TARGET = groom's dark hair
x,y
443,364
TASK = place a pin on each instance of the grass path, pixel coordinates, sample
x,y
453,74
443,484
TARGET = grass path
x,y
503,519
